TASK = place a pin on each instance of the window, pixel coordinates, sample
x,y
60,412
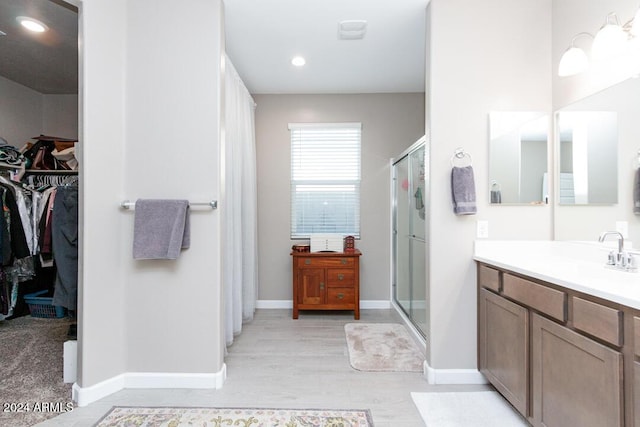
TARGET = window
x,y
325,179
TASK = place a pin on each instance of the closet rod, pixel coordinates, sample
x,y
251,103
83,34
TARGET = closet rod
x,y
213,204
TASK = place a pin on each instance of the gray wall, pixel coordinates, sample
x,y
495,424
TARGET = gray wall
x,y
390,124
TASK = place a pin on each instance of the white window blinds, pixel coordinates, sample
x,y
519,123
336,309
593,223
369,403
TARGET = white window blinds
x,y
325,178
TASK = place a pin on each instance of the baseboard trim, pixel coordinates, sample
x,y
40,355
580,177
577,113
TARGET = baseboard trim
x,y
288,304
84,396
452,376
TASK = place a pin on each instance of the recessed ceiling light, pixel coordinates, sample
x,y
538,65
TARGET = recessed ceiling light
x,y
298,61
32,24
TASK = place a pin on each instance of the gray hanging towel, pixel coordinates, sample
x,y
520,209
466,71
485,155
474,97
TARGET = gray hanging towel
x,y
496,196
161,228
463,190
636,192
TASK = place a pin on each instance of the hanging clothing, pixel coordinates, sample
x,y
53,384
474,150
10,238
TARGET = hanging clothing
x,y
64,239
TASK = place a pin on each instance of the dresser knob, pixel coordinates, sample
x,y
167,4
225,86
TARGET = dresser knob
x,y
340,296
321,285
340,276
307,261
343,260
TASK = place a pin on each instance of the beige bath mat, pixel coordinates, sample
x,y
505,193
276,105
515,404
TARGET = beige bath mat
x,y
382,347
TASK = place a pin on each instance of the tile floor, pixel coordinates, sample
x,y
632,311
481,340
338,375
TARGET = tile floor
x,y
286,363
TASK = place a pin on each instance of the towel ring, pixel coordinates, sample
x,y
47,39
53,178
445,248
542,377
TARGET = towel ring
x,y
461,154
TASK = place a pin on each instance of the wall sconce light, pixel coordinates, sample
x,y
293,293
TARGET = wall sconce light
x,y
574,60
612,40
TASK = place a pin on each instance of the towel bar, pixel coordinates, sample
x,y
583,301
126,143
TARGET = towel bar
x,y
213,204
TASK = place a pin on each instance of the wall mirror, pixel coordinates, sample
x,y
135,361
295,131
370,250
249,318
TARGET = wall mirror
x,y
588,157
518,157
617,165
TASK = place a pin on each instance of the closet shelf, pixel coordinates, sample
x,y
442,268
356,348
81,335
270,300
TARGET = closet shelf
x,y
51,172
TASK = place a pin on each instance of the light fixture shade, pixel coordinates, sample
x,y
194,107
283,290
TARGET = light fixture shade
x,y
609,42
574,61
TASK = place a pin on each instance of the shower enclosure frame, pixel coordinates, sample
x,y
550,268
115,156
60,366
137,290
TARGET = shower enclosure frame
x,y
410,262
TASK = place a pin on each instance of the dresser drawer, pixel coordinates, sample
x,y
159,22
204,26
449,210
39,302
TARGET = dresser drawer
x,y
489,278
341,296
341,277
319,261
598,320
544,299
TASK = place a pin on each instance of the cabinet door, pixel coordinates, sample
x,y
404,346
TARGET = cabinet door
x,y
311,283
576,381
636,394
504,343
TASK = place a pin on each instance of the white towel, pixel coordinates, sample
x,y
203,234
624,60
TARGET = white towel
x,y
161,228
463,190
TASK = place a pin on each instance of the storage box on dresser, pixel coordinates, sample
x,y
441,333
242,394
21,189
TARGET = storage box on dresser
x,y
556,354
326,281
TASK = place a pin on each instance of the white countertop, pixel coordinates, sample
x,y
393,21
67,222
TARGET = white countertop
x,y
575,265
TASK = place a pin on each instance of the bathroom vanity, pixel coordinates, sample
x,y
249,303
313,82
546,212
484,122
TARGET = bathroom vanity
x,y
559,333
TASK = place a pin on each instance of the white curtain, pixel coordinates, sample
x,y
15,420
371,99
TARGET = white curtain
x,y
240,245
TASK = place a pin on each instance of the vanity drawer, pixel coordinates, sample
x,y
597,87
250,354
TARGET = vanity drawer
x,y
489,278
544,299
598,320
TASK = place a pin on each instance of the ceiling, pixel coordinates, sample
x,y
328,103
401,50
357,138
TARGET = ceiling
x,y
45,62
263,35
390,57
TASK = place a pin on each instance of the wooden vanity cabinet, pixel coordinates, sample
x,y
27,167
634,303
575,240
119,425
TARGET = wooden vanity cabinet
x,y
576,381
558,356
504,355
326,281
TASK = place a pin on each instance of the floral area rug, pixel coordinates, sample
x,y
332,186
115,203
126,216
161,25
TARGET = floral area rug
x,y
121,416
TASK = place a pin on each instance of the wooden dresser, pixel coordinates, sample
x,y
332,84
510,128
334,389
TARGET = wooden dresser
x,y
326,281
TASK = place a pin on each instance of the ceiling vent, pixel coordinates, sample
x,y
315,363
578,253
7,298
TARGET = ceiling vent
x,y
352,29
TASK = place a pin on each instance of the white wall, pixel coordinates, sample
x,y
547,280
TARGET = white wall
x,y
60,115
25,113
475,68
173,309
102,316
20,112
390,124
151,107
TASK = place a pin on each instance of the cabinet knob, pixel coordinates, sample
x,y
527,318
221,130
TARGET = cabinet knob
x,y
307,261
340,276
340,295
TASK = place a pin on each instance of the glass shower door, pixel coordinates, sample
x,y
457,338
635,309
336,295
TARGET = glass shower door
x,y
409,232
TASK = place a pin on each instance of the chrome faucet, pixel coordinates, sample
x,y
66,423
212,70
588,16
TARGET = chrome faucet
x,y
613,233
621,260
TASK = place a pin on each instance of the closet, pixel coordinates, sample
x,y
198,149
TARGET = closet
x,y
38,237
40,99
410,234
